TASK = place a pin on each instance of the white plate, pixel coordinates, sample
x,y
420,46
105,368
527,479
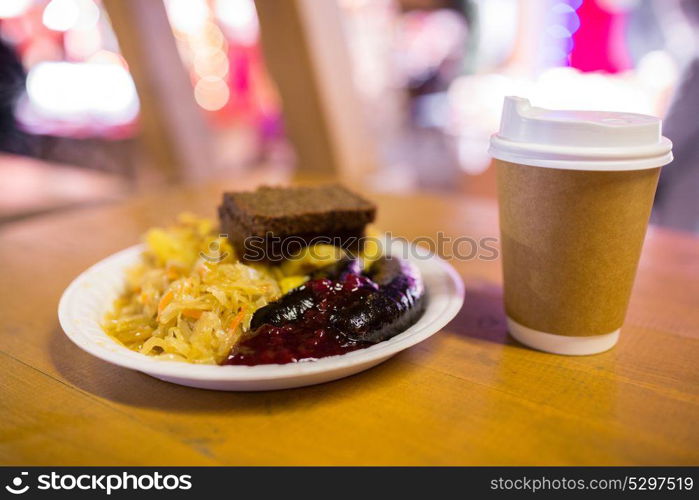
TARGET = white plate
x,y
91,294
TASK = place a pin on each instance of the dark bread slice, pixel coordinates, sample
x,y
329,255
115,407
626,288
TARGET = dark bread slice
x,y
304,213
286,211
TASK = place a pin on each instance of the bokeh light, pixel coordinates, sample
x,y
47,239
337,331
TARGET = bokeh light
x,y
211,62
187,16
61,15
211,93
239,17
14,8
102,92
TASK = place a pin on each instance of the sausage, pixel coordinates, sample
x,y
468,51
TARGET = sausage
x,y
394,301
378,315
288,308
293,305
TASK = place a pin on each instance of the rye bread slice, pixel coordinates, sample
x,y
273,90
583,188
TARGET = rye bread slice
x,y
303,212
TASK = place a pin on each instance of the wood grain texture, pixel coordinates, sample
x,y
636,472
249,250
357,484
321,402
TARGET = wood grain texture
x,y
469,395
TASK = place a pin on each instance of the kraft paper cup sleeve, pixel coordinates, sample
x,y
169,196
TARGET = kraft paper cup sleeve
x,y
571,241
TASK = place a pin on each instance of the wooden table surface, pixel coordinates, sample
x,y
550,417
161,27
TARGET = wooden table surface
x,y
469,395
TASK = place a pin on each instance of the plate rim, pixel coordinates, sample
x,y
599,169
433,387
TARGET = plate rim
x,y
122,356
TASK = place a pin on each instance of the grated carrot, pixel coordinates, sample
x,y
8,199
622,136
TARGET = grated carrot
x,y
165,300
237,320
192,313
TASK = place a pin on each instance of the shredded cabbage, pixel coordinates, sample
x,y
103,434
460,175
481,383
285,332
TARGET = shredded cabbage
x,y
190,299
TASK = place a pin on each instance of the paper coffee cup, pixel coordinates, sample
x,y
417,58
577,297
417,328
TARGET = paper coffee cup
x,y
575,191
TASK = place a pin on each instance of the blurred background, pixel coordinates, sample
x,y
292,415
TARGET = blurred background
x,y
100,100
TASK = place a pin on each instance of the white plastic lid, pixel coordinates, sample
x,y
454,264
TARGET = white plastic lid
x,y
578,140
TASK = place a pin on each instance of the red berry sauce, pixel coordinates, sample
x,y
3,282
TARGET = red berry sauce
x,y
311,337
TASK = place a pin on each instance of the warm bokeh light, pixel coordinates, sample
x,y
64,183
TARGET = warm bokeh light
x,y
64,15
187,16
211,62
87,91
211,93
203,45
61,15
14,8
239,19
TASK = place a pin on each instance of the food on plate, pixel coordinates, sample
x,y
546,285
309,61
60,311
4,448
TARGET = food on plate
x,y
293,305
194,298
383,311
341,309
259,223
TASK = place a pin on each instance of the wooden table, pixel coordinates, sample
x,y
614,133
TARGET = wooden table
x,y
469,395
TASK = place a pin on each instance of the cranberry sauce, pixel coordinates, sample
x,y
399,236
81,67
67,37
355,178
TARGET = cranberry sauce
x,y
310,337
